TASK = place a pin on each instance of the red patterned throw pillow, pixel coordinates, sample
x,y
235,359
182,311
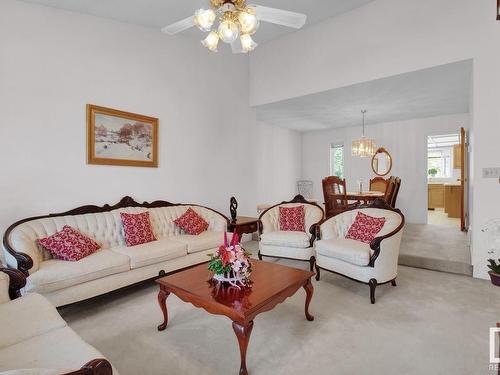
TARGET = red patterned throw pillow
x,y
137,228
191,222
292,219
365,228
69,244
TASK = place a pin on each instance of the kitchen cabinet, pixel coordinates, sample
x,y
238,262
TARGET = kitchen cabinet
x,y
452,200
457,157
436,196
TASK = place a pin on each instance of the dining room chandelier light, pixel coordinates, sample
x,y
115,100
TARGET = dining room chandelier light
x,y
363,147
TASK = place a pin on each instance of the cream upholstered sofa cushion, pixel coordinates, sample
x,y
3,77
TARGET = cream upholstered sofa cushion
x,y
286,238
286,252
55,274
351,251
152,252
204,241
4,288
57,349
26,317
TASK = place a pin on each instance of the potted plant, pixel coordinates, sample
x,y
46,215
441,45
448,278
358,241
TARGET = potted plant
x,y
432,172
495,271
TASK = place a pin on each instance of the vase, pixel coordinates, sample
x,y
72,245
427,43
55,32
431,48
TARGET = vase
x,y
495,278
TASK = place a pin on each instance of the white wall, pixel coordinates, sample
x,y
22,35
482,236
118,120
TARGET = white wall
x,y
405,140
388,37
279,160
53,62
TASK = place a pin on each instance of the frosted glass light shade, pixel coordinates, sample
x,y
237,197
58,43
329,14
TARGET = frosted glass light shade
x,y
228,31
204,19
363,147
247,43
211,41
248,21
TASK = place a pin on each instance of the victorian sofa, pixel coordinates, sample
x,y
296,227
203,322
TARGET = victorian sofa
x,y
371,263
115,265
296,245
35,340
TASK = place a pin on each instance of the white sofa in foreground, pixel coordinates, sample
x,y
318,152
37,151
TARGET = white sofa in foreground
x,y
373,263
35,340
115,265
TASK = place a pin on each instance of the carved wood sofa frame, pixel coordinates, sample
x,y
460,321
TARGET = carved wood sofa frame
x,y
374,245
24,261
312,230
17,281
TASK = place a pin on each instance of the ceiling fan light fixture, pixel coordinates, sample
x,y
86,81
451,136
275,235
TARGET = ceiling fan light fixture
x,y
228,30
211,41
204,19
248,21
247,43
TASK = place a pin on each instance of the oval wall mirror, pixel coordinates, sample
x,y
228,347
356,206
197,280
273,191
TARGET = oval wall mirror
x,y
382,162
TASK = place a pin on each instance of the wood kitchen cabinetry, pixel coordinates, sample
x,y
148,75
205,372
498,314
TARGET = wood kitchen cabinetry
x,y
452,198
457,157
436,196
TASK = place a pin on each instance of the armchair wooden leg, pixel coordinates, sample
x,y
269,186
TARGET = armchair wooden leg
x,y
259,255
373,284
312,262
393,283
317,273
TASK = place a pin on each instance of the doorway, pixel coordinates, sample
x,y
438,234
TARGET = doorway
x,y
446,180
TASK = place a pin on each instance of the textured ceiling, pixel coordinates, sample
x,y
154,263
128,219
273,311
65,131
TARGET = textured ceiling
x,y
159,13
437,91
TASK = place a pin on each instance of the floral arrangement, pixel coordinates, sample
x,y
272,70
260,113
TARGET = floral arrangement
x,y
231,263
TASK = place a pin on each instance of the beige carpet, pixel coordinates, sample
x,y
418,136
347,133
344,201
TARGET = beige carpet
x,y
432,323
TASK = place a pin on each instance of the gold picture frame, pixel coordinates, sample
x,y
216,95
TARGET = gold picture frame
x,y
117,137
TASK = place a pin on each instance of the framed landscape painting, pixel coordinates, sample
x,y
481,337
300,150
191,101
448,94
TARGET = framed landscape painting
x,y
121,138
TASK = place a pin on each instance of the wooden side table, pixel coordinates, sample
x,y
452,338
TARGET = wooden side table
x,y
243,224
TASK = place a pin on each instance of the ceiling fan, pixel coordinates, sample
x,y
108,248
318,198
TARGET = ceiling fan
x,y
237,23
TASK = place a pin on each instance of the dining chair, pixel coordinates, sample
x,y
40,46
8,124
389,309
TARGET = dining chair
x,y
335,194
391,189
396,192
378,184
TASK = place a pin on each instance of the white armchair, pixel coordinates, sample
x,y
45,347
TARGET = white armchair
x,y
289,244
373,264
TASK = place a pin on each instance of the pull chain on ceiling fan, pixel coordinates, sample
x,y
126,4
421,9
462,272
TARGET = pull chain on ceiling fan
x,y
237,22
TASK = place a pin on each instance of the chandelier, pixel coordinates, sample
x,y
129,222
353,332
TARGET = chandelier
x,y
234,22
363,147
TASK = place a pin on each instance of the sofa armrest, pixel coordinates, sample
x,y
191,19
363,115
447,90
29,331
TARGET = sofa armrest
x,y
95,367
17,281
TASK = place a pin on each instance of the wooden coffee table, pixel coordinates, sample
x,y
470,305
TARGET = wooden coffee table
x,y
272,284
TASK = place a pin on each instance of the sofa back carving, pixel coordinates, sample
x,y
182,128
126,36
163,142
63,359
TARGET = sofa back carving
x,y
100,223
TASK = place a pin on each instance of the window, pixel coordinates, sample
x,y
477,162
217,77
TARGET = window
x,y
439,162
337,160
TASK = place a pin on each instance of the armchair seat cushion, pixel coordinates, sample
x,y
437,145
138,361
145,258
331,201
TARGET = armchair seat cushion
x,y
55,274
351,251
26,317
58,349
201,242
152,252
286,238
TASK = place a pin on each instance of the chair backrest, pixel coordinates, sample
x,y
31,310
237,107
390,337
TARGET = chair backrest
x,y
335,194
378,184
391,188
396,192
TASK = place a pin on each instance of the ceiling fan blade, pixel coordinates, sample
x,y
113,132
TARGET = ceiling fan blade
x,y
280,17
179,26
236,46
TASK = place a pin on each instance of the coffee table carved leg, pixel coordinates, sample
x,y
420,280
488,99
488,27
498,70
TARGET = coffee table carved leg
x,y
309,293
243,334
162,301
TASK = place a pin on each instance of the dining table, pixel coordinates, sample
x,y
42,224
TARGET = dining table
x,y
365,196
